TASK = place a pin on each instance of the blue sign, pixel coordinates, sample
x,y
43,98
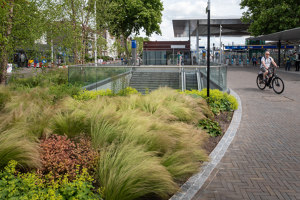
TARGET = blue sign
x,y
133,44
258,47
269,47
44,61
236,47
201,47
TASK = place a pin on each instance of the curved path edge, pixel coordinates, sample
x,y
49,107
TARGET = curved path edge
x,y
189,189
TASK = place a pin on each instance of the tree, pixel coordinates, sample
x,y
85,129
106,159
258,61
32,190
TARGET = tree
x,y
140,44
19,28
128,17
269,16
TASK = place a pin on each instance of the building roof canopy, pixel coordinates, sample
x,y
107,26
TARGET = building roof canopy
x,y
287,35
230,27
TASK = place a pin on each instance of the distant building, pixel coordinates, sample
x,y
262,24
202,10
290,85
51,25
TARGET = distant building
x,y
165,52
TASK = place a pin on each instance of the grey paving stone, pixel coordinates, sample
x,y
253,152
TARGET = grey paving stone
x,y
263,161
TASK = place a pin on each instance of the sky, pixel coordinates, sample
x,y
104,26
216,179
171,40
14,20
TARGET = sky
x,y
195,9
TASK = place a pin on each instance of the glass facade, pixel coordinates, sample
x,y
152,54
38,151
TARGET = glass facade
x,y
165,58
94,78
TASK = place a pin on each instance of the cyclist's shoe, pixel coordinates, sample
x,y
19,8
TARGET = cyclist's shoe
x,y
270,86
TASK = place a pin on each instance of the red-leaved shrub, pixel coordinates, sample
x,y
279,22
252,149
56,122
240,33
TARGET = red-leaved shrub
x,y
60,156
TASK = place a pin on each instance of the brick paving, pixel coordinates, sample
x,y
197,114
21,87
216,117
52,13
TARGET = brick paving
x,y
263,160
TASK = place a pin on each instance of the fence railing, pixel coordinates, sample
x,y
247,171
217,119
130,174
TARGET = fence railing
x,y
114,77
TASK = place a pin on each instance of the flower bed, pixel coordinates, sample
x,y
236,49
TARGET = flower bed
x,y
116,146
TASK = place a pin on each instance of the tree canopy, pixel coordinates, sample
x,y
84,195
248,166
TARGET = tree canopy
x,y
20,22
269,16
128,17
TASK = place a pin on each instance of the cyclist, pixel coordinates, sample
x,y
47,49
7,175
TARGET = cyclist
x,y
266,63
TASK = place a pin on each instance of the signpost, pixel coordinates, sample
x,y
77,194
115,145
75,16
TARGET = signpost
x,y
133,49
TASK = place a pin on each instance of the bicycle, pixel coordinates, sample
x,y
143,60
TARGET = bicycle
x,y
273,81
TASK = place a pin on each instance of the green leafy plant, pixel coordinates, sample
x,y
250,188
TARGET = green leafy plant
x,y
63,90
29,185
213,128
87,95
127,91
45,79
218,101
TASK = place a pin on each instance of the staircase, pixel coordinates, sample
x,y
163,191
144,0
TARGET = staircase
x,y
149,81
191,81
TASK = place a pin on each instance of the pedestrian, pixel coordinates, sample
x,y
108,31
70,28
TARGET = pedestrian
x,y
259,58
297,60
36,61
288,63
254,61
179,58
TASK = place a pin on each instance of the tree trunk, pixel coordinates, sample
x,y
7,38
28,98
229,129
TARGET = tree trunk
x,y
4,62
4,54
74,29
83,40
126,47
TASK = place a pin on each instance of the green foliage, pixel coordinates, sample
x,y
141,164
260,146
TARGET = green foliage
x,y
15,185
14,145
133,16
218,101
161,125
87,95
64,90
140,44
127,91
127,172
71,123
213,128
18,18
94,94
269,16
4,97
50,78
150,121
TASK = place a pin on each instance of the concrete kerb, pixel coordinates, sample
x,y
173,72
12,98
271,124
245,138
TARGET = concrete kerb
x,y
189,189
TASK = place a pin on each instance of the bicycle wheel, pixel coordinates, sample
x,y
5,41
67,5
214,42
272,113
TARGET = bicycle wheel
x,y
260,83
278,85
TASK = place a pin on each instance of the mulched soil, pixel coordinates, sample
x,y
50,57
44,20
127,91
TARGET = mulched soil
x,y
224,119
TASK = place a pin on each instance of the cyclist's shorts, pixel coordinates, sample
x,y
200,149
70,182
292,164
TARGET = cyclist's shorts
x,y
263,69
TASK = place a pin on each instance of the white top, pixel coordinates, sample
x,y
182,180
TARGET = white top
x,y
267,61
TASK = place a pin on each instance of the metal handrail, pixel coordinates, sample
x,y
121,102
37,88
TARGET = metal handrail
x,y
146,66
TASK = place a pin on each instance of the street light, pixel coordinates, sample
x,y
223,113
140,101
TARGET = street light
x,y
220,44
208,46
95,8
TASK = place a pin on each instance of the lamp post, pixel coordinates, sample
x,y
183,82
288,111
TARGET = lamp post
x,y
208,47
95,33
220,44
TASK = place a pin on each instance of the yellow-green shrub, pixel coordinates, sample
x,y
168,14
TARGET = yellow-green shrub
x,y
87,95
218,101
15,185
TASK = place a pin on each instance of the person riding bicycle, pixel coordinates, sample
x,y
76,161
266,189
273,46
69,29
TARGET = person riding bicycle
x,y
266,63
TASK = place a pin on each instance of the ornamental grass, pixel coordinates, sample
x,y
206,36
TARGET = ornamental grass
x,y
147,144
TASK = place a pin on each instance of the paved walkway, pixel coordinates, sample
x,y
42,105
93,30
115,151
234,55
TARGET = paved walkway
x,y
263,161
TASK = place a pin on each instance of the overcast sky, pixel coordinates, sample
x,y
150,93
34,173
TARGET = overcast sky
x,y
195,9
